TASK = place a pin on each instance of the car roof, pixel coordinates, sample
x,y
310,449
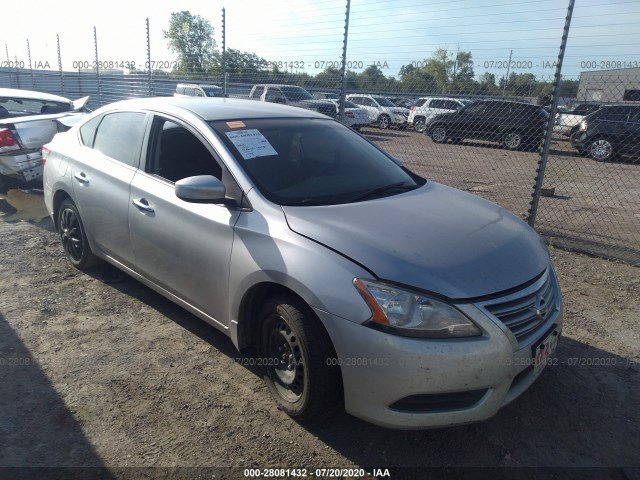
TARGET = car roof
x,y
211,109
31,95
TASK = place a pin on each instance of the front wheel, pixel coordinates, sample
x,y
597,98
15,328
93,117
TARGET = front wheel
x,y
73,236
512,140
601,150
299,359
384,121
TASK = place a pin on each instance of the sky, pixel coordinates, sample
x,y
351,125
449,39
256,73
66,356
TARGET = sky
x,y
307,35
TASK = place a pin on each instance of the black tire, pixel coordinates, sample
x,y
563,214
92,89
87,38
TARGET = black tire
x,y
438,134
73,237
419,124
513,140
384,121
601,150
299,360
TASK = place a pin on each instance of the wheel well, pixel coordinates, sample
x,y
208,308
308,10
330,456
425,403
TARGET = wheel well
x,y
250,306
58,198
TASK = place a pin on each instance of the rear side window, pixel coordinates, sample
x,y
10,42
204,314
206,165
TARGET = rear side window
x,y
257,93
119,136
420,102
437,104
451,105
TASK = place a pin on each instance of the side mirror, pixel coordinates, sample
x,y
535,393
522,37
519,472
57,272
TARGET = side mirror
x,y
201,188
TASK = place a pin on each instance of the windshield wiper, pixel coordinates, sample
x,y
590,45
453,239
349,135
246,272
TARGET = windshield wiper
x,y
400,186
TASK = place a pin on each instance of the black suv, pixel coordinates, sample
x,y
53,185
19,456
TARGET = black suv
x,y
515,125
611,131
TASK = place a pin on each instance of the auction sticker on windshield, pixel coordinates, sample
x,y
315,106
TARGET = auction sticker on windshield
x,y
251,144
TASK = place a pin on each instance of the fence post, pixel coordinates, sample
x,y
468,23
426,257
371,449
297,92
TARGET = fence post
x,y
544,154
149,72
60,65
33,86
95,44
224,52
343,70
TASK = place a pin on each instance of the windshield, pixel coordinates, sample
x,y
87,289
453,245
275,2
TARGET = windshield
x,y
384,102
296,94
306,161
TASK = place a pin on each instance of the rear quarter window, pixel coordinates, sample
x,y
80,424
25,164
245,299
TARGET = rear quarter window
x,y
88,130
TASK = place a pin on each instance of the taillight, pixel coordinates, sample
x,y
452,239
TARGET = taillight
x,y
349,114
413,107
45,154
7,141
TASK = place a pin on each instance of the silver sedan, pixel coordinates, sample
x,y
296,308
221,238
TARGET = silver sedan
x,y
355,281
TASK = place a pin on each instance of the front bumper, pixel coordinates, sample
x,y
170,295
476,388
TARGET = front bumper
x,y
416,383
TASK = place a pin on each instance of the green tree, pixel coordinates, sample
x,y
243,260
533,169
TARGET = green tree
x,y
191,38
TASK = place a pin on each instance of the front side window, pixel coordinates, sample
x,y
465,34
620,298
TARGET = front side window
x,y
119,136
312,161
176,153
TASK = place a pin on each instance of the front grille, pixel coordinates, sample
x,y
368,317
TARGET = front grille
x,y
524,313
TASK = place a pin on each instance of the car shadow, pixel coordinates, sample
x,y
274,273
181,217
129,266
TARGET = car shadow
x,y
40,435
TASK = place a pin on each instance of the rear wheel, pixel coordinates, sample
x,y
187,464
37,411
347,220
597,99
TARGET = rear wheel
x,y
297,356
418,125
384,121
73,237
601,150
439,134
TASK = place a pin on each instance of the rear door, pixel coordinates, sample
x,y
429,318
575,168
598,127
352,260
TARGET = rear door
x,y
102,177
629,142
184,247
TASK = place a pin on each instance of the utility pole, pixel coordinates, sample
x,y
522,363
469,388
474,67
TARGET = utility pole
x,y
506,79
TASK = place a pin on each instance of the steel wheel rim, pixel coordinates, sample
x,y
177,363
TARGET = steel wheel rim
x,y
512,140
285,363
601,149
439,134
71,234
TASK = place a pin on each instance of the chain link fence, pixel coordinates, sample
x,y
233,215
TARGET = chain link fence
x,y
560,151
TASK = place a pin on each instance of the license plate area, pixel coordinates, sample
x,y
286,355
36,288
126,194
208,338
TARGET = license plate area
x,y
544,350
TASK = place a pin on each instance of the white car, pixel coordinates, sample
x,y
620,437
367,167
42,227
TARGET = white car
x,y
382,111
354,116
28,120
427,107
198,90
567,122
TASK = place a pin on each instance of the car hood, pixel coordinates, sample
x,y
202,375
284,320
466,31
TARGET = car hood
x,y
434,238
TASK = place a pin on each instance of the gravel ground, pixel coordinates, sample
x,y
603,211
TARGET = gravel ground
x,y
113,375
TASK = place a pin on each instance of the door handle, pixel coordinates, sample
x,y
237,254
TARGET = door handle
x,y
142,204
81,177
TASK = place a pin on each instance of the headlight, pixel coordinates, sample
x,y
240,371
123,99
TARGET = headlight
x,y
408,313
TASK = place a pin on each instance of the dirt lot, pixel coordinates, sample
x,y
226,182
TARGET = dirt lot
x,y
113,375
